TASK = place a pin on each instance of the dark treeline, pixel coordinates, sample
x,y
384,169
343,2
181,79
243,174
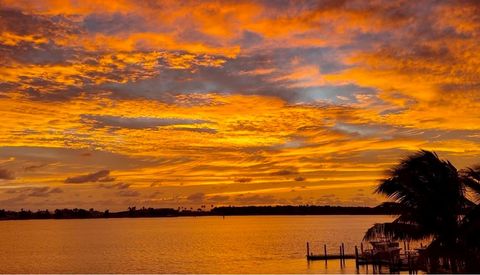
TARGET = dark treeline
x,y
78,213
132,212
383,209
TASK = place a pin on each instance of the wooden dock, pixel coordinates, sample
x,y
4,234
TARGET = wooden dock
x,y
340,256
395,263
329,257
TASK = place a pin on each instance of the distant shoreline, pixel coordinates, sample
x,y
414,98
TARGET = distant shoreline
x,y
133,212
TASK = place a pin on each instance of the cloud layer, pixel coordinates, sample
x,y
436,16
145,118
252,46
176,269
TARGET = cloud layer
x,y
245,102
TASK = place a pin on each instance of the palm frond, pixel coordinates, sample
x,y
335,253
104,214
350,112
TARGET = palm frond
x,y
395,231
420,174
430,194
471,179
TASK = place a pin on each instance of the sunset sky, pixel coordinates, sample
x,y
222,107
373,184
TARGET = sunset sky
x,y
110,104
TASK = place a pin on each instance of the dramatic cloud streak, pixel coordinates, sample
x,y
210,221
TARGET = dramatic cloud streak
x,y
138,122
102,176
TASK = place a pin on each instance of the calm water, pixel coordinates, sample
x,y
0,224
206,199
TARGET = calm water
x,y
268,244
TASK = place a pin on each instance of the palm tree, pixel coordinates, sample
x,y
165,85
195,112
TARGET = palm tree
x,y
469,228
431,197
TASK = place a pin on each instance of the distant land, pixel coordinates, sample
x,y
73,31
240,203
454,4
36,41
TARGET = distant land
x,y
133,212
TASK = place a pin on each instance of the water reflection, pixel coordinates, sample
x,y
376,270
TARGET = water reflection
x,y
272,244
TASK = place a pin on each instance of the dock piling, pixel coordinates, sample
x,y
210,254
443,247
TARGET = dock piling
x,y
340,256
308,249
409,263
356,257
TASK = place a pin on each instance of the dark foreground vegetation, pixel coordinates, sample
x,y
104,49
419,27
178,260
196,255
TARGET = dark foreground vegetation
x,y
383,209
438,203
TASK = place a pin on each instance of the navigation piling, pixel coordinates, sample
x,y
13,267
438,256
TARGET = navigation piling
x,y
356,257
340,256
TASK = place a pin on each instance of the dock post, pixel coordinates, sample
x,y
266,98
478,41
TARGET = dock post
x,y
409,264
361,247
341,258
308,250
405,248
325,252
356,257
343,253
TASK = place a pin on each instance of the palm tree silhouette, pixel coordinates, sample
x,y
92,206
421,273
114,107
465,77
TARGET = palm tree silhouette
x,y
430,194
468,246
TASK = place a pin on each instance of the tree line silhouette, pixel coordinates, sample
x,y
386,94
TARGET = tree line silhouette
x,y
78,213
